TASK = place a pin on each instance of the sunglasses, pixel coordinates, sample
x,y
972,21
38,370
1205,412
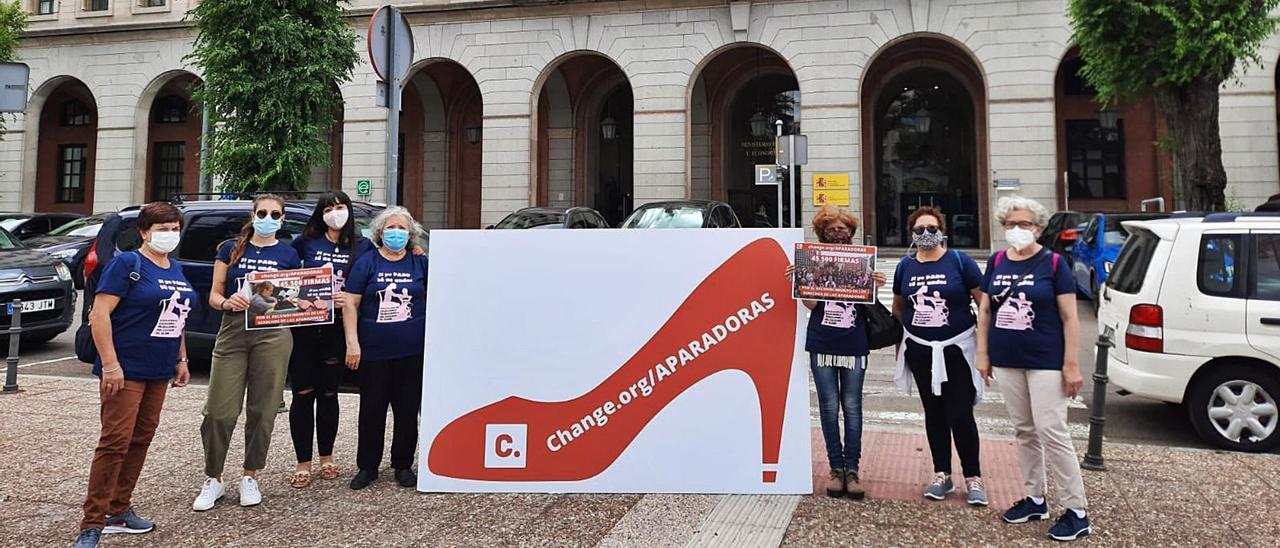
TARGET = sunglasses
x,y
262,214
919,230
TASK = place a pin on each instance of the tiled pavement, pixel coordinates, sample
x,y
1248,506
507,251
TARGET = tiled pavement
x,y
1150,496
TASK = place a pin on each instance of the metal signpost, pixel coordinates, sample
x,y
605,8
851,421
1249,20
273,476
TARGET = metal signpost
x,y
13,86
391,53
791,151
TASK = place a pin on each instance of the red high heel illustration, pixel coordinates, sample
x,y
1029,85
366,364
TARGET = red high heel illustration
x,y
740,317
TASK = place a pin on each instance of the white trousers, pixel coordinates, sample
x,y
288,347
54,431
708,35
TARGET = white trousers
x,y
1037,405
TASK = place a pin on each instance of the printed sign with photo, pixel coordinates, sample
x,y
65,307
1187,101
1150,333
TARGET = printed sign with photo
x,y
834,272
289,298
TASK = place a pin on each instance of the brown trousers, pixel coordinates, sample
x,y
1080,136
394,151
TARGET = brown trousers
x,y
129,421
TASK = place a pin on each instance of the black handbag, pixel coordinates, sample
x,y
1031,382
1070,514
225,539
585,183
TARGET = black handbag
x,y
883,330
86,350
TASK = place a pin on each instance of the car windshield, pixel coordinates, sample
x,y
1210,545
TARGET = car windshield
x,y
666,217
8,242
531,219
84,226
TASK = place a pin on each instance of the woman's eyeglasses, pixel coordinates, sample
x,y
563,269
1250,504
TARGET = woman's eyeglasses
x,y
1025,225
919,230
262,214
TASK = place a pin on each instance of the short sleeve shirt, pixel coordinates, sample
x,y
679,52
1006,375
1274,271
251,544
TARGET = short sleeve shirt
x,y
147,324
835,329
320,252
255,259
1026,331
393,305
937,295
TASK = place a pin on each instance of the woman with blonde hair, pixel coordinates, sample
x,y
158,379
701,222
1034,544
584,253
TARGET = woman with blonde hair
x,y
836,340
248,366
1028,329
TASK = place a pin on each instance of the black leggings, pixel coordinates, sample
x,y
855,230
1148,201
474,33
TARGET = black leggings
x,y
315,369
394,383
951,414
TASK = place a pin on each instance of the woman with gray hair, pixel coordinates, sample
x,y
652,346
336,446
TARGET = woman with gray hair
x,y
1028,328
384,319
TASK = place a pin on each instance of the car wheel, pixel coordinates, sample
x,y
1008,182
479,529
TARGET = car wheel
x,y
1234,407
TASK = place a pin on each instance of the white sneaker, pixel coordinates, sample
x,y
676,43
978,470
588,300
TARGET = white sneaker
x,y
209,495
249,493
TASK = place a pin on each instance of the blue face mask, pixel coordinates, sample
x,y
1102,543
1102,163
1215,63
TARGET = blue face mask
x,y
266,228
395,239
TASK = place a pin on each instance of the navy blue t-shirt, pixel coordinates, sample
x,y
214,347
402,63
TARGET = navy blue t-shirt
x,y
255,259
937,295
836,330
1026,332
393,305
320,252
146,326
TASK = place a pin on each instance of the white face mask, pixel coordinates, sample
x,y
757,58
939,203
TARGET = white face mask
x,y
1020,238
164,242
337,218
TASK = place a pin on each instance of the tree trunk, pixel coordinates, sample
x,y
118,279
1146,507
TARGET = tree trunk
x,y
1191,112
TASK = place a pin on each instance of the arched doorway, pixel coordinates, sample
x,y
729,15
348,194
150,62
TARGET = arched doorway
x,y
924,115
585,138
173,140
737,99
441,146
1107,159
67,149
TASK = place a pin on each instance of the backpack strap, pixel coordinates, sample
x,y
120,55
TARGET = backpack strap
x,y
1055,264
959,261
136,274
996,260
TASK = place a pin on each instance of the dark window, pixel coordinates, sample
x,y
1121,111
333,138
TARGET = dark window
x,y
38,225
171,109
1266,267
1217,272
75,113
71,173
1072,82
1095,160
44,7
1091,231
59,220
97,5
167,170
204,233
1131,265
128,239
153,3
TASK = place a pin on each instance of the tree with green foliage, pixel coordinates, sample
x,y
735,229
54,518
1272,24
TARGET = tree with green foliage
x,y
270,68
13,22
1181,52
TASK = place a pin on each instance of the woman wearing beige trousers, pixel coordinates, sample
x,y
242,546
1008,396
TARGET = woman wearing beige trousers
x,y
1029,331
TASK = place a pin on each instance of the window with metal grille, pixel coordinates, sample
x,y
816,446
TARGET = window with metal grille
x,y
75,113
45,7
71,173
152,3
166,170
96,5
171,109
1095,160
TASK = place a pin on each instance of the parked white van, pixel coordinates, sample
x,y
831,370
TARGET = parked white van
x,y
1194,305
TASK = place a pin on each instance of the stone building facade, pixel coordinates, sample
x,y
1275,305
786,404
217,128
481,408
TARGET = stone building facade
x,y
611,104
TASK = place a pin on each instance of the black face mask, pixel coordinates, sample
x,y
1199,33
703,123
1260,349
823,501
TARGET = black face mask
x,y
829,237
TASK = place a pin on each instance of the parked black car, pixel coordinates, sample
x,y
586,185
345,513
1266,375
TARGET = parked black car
x,y
683,214
553,217
69,243
1060,234
30,225
205,225
44,285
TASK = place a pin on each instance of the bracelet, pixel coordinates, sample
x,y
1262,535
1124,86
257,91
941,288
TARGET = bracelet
x,y
182,359
105,371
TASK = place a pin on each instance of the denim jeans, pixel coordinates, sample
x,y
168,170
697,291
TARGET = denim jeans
x,y
838,388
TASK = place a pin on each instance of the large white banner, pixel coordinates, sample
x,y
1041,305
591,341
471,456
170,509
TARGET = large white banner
x,y
614,361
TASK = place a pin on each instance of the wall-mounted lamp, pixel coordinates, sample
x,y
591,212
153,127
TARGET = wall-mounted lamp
x,y
473,134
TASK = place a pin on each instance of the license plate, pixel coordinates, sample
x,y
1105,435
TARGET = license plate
x,y
32,306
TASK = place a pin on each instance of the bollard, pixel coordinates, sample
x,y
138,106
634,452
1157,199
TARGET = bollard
x,y
15,337
1097,415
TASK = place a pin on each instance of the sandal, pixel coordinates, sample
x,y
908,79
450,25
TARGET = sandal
x,y
300,479
329,471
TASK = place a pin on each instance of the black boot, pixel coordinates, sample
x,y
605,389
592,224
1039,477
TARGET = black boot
x,y
363,479
406,477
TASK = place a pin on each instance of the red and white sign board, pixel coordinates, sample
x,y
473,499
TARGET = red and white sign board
x,y
614,361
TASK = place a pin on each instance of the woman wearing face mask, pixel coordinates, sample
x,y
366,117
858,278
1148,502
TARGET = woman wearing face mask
x,y
248,366
330,239
932,292
1028,329
385,300
137,320
836,340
